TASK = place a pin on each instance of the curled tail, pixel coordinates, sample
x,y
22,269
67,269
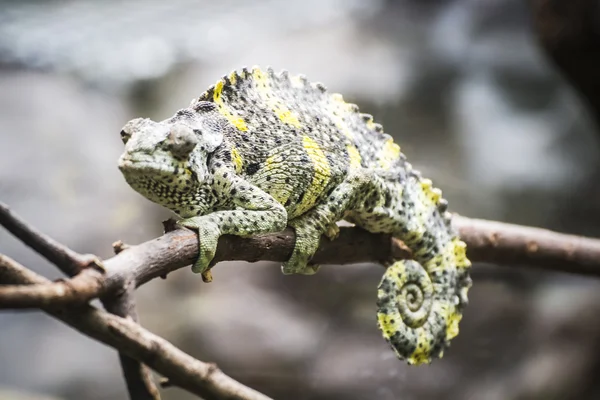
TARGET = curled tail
x,y
420,302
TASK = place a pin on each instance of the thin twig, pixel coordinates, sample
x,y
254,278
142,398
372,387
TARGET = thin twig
x,y
70,262
64,291
202,379
137,377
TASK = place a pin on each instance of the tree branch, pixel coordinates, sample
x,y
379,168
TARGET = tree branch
x,y
490,242
526,247
68,261
200,378
137,376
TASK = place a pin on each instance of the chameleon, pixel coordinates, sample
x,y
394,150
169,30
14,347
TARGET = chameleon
x,y
261,150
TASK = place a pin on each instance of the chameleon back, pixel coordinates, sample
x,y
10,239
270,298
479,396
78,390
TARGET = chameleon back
x,y
264,104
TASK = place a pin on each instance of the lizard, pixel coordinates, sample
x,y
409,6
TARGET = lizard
x,y
262,150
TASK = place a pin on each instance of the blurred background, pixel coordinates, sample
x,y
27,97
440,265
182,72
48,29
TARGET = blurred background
x,y
462,85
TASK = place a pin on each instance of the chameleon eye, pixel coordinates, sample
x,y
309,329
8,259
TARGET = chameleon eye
x,y
125,136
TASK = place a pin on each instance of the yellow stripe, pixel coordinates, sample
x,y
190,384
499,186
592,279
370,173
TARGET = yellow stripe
x,y
275,104
236,157
355,158
389,154
224,109
321,175
279,190
233,77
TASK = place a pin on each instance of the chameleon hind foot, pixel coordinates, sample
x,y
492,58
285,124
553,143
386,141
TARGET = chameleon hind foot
x,y
307,243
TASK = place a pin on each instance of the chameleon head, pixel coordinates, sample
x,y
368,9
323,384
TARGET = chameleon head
x,y
167,160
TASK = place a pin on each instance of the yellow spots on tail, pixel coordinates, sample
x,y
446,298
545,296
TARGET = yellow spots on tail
x,y
453,254
355,158
262,81
459,248
390,153
236,157
399,276
321,175
422,354
386,325
453,320
225,110
453,317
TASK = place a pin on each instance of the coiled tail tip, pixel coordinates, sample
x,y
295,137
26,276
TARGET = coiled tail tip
x,y
417,317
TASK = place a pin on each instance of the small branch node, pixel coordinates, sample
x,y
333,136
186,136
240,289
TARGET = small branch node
x,y
119,246
165,383
170,225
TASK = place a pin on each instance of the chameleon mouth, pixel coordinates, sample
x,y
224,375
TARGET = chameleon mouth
x,y
146,166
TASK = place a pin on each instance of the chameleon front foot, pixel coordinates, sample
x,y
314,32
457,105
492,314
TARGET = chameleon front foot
x,y
208,237
307,243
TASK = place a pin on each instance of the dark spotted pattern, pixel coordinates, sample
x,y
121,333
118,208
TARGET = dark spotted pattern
x,y
259,150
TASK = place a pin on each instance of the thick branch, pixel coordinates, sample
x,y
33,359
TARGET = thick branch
x,y
203,379
514,245
490,242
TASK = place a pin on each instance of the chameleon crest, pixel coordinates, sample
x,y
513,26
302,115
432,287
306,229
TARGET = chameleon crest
x,y
260,150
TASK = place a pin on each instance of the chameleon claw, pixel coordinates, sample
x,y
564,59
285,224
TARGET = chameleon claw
x,y
332,232
311,269
207,276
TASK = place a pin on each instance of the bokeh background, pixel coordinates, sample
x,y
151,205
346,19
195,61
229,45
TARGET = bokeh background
x,y
462,85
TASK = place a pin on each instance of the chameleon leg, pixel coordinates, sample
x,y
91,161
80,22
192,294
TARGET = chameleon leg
x,y
254,212
321,221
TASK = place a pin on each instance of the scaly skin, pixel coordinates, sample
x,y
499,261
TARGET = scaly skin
x,y
259,151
